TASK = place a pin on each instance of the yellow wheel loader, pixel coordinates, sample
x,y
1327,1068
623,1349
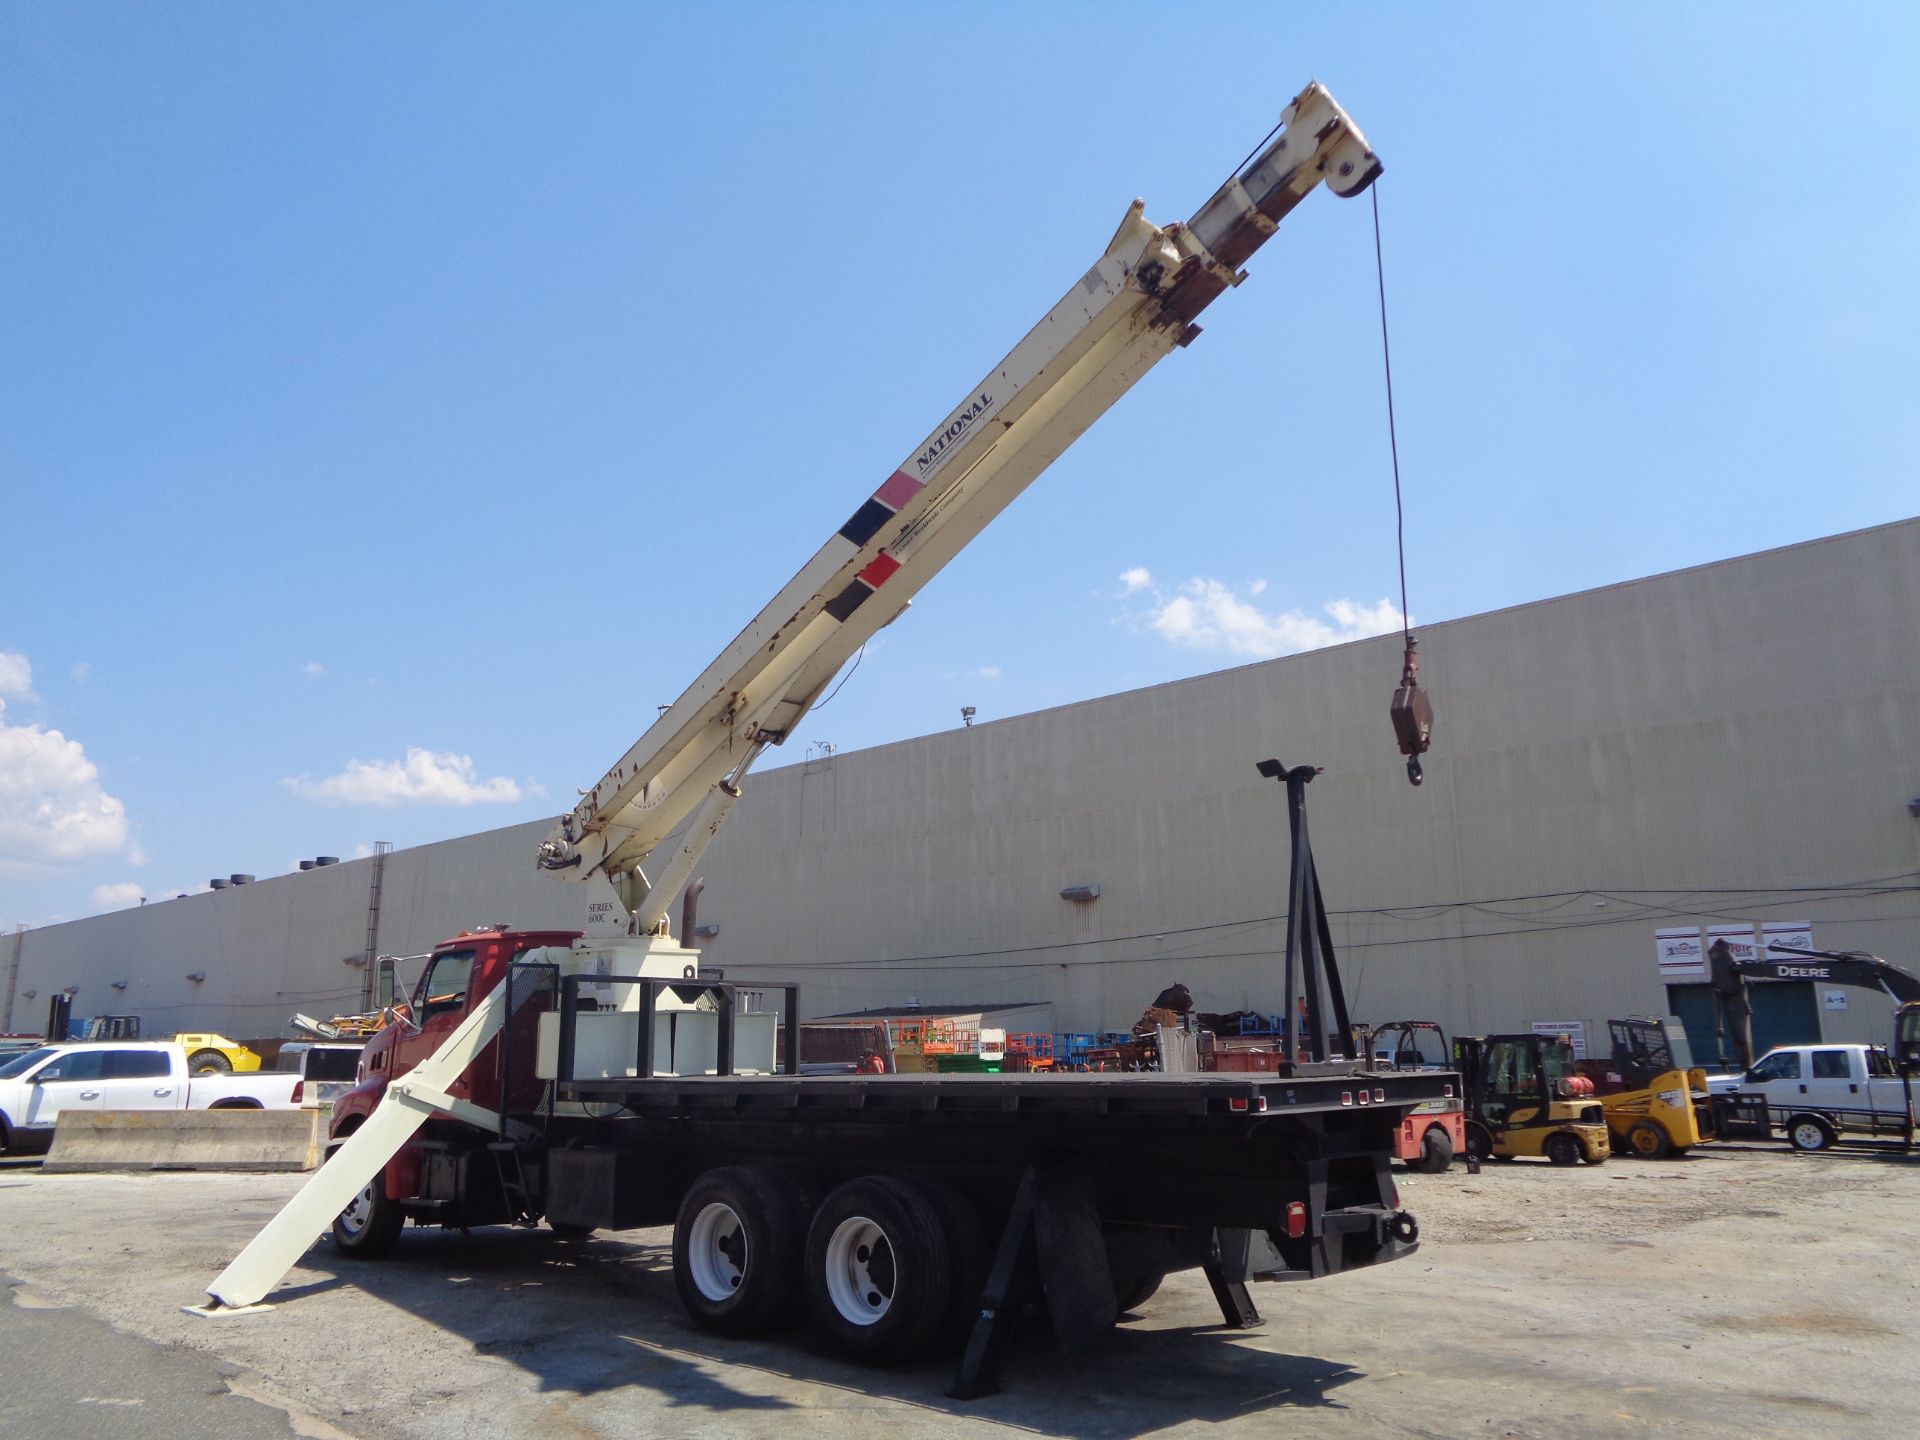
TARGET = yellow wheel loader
x,y
209,1054
1655,1098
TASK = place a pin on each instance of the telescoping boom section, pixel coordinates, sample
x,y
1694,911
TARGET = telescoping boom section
x,y
606,1083
1135,304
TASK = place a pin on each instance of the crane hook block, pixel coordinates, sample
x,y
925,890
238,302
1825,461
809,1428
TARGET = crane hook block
x,y
1412,713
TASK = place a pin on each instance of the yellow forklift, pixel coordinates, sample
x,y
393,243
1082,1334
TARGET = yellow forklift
x,y
1524,1098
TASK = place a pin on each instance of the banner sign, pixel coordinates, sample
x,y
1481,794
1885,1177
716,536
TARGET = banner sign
x,y
1789,934
1742,940
1682,955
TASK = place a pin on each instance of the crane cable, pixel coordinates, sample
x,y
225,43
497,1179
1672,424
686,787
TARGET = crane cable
x,y
1412,708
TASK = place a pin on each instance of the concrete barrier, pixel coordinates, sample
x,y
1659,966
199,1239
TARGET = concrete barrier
x,y
188,1140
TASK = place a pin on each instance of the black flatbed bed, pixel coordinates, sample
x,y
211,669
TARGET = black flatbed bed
x,y
1251,1095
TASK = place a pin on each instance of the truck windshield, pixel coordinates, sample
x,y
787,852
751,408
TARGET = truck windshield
x,y
20,1064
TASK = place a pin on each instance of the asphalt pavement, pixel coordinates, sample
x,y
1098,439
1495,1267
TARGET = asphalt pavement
x,y
67,1375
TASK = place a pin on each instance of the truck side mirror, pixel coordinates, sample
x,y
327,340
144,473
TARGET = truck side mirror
x,y
383,983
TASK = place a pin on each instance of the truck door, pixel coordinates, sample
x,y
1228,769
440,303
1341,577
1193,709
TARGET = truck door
x,y
69,1082
1886,1090
1781,1077
1834,1081
140,1080
439,1004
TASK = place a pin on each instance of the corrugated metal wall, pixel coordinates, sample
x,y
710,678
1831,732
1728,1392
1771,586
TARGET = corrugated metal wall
x,y
1734,742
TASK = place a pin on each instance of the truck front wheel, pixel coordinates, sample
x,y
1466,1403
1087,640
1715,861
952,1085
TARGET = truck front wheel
x,y
370,1224
736,1249
879,1272
209,1062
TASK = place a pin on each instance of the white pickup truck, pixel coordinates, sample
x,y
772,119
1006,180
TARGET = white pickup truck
x,y
120,1075
1815,1092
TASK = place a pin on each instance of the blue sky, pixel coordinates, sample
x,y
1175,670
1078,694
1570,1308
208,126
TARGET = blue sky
x,y
401,401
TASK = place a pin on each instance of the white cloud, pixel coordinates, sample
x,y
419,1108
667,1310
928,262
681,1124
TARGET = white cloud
x,y
987,672
1208,615
16,676
314,667
136,854
1136,579
51,805
81,671
425,777
363,851
117,897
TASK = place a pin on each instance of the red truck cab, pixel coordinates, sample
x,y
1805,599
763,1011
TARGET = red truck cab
x,y
460,972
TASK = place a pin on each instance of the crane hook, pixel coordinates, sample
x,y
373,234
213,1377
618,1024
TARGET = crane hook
x,y
1412,713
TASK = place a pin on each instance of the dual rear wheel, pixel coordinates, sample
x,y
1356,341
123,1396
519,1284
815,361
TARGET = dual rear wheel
x,y
886,1266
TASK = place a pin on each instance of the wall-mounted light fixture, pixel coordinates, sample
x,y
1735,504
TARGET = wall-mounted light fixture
x,y
196,976
1080,894
32,994
357,961
705,932
967,712
71,991
119,984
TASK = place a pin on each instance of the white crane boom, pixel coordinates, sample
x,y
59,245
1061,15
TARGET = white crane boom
x,y
1135,305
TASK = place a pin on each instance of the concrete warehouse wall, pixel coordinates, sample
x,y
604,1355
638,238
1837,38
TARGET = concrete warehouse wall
x,y
1733,742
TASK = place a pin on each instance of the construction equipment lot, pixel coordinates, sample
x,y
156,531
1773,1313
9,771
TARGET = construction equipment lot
x,y
1733,1292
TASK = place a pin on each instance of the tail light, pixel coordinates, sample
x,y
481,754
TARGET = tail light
x,y
299,1091
1296,1219
1346,1097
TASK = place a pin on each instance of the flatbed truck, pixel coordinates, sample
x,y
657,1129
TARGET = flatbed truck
x,y
604,1082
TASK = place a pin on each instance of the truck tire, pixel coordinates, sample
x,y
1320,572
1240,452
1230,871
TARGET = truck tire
x,y
1563,1149
1809,1133
1648,1140
879,1271
371,1223
1436,1152
208,1062
736,1249
968,1254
